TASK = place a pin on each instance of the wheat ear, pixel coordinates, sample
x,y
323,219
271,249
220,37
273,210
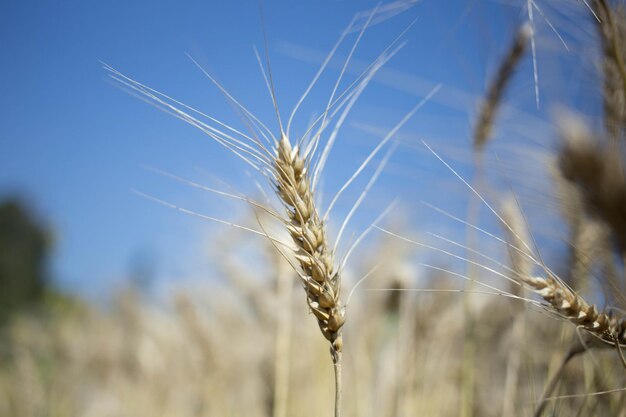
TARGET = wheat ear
x,y
314,254
560,298
575,309
610,24
491,103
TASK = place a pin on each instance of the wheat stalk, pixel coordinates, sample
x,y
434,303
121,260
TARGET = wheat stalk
x,y
291,171
321,281
560,298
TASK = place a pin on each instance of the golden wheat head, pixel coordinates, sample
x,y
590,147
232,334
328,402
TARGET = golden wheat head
x,y
575,309
321,281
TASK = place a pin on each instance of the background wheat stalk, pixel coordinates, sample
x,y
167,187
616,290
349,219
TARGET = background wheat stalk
x,y
497,87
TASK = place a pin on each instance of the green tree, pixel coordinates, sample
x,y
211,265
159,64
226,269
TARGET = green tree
x,y
24,246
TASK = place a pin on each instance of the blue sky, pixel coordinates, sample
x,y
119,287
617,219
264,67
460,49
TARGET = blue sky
x,y
73,145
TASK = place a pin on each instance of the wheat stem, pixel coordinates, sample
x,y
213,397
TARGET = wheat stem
x,y
337,362
574,351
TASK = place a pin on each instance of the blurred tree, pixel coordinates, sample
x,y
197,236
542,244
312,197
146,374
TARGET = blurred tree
x,y
24,246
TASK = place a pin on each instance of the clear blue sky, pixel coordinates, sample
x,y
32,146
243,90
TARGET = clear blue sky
x,y
73,144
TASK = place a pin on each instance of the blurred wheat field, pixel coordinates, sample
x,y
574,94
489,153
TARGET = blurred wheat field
x,y
212,356
514,307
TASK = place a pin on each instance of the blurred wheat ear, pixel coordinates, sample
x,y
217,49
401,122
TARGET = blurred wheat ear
x,y
497,87
610,21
